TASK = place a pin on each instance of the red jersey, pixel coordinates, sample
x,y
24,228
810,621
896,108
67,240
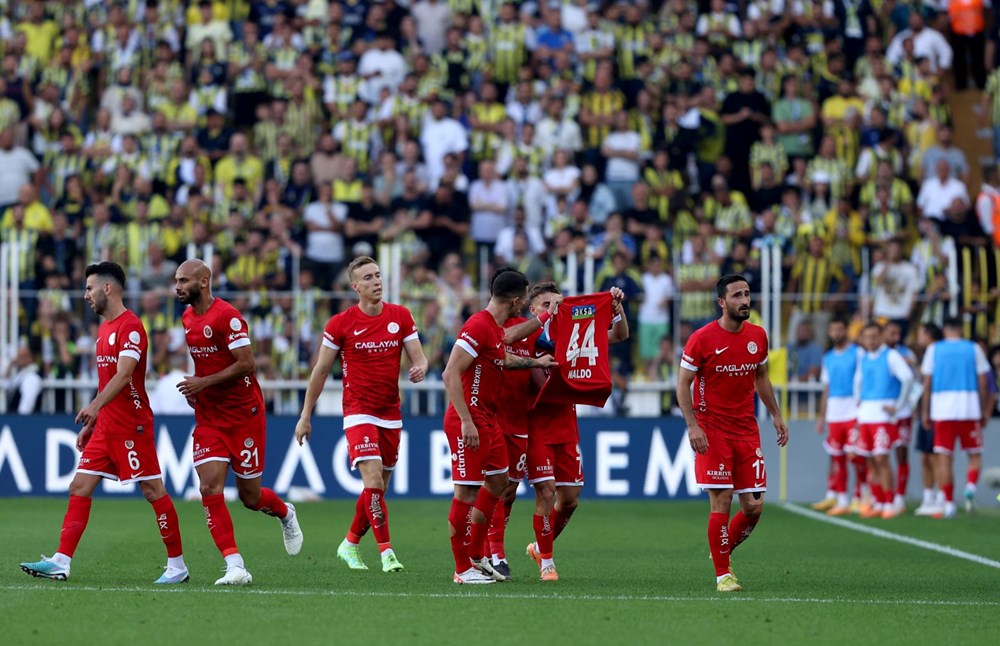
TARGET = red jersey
x,y
726,365
211,338
550,423
518,390
370,349
482,338
129,411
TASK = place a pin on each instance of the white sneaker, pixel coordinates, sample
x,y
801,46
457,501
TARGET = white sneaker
x,y
235,575
485,567
928,509
291,533
948,511
472,576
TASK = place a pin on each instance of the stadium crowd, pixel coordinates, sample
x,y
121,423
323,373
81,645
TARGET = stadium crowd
x,y
675,138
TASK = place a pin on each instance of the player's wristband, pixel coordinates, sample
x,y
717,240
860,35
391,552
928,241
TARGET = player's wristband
x,y
544,317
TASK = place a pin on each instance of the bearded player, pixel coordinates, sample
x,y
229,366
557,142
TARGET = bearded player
x,y
370,338
473,378
230,425
117,440
555,464
726,362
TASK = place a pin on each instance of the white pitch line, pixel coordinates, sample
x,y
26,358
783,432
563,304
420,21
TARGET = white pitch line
x,y
899,538
66,588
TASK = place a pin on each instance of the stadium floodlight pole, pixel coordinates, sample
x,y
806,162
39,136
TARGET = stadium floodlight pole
x,y
765,288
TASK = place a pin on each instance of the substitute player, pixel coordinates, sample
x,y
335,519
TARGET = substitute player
x,y
838,413
930,505
904,418
956,397
117,440
473,379
230,426
884,389
370,338
555,462
724,363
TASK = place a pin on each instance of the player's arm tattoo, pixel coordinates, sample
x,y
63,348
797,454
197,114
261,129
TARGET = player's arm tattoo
x,y
514,362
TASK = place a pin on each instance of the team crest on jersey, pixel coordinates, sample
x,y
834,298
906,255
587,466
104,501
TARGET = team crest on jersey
x,y
129,444
111,339
133,336
207,332
393,327
234,324
248,443
752,347
760,453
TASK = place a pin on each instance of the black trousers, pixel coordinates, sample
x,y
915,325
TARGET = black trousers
x,y
966,47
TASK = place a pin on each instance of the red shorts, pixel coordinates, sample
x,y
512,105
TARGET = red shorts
x,y
731,463
241,446
560,462
473,466
517,456
839,436
968,432
127,458
370,442
877,439
905,426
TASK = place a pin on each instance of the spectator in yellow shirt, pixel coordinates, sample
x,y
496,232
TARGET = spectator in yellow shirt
x,y
36,215
40,32
239,163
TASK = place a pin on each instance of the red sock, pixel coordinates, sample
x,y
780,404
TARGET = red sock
x,y
861,471
74,522
718,541
459,519
839,474
374,504
902,477
220,523
498,527
544,534
359,524
948,489
831,476
740,527
170,529
485,503
972,476
560,518
876,492
888,495
271,504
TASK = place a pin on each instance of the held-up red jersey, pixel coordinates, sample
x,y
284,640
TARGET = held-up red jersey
x,y
517,390
123,336
211,338
370,350
726,365
482,338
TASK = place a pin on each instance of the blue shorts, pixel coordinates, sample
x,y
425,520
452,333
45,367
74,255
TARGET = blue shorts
x,y
925,437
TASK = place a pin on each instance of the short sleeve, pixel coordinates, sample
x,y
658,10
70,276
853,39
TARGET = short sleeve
x,y
691,357
235,328
982,365
767,347
333,337
133,340
408,325
824,376
472,337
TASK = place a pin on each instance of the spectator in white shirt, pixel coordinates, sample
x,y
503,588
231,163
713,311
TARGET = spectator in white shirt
x,y
523,108
927,43
623,148
895,284
381,67
556,131
985,201
19,167
654,312
504,248
218,31
433,19
560,180
24,384
324,220
942,194
165,399
527,191
488,205
719,22
440,136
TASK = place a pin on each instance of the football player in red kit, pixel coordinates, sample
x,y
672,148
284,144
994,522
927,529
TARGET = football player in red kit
x,y
473,379
726,363
230,422
370,338
555,464
117,440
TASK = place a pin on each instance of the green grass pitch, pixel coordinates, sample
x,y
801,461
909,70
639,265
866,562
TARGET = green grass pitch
x,y
632,573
